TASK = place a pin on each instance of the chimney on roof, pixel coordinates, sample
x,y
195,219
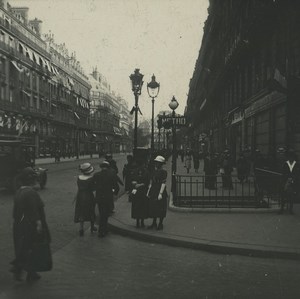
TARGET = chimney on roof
x,y
37,25
22,11
4,4
95,74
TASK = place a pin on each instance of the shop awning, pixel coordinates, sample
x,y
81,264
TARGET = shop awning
x,y
117,131
28,94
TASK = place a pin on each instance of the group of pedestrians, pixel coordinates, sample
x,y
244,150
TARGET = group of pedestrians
x,y
146,187
105,184
31,235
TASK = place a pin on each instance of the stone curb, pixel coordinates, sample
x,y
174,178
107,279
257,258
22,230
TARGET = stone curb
x,y
202,244
214,246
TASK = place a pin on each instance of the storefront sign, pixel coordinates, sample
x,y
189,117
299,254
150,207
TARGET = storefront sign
x,y
177,120
237,117
266,102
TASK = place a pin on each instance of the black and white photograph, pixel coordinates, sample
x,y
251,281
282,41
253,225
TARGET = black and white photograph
x,y
149,149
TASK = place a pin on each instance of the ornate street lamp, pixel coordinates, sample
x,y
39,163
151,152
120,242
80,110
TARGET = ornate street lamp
x,y
173,105
137,83
153,90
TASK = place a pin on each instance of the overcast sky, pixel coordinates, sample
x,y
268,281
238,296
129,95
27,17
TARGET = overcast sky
x,y
157,36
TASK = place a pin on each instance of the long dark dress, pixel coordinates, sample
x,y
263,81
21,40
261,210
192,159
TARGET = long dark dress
x,y
139,206
128,172
158,208
28,209
85,201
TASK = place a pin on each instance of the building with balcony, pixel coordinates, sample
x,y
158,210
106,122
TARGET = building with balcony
x,y
44,94
105,115
244,93
126,126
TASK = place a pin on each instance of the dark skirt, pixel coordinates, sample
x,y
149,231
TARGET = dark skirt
x,y
84,207
139,205
158,208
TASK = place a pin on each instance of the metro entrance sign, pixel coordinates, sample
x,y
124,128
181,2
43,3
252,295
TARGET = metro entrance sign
x,y
177,120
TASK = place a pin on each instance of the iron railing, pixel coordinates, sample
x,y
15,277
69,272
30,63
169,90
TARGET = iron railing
x,y
198,191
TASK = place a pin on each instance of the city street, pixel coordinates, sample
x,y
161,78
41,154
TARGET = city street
x,y
118,267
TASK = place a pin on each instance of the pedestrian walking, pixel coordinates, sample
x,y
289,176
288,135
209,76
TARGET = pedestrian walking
x,y
157,194
114,168
226,170
196,160
57,156
30,231
112,162
138,195
188,161
290,181
85,200
105,184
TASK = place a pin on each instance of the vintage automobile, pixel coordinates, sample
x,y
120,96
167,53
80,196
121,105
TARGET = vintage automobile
x,y
14,156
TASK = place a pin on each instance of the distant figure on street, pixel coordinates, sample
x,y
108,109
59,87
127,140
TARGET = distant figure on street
x,y
57,155
101,153
290,181
30,231
242,167
196,160
112,162
157,194
210,169
188,161
138,195
227,168
182,155
105,184
85,201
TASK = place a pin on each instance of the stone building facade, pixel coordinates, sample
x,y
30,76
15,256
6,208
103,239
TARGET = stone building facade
x,y
44,94
244,93
105,115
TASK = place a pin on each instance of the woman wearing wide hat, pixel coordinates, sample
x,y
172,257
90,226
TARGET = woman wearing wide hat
x,y
85,201
157,194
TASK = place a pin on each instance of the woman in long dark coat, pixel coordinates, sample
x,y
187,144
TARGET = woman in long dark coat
x,y
196,160
29,228
227,167
85,200
140,183
157,194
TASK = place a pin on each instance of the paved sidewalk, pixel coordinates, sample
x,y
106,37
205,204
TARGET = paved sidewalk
x,y
246,233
